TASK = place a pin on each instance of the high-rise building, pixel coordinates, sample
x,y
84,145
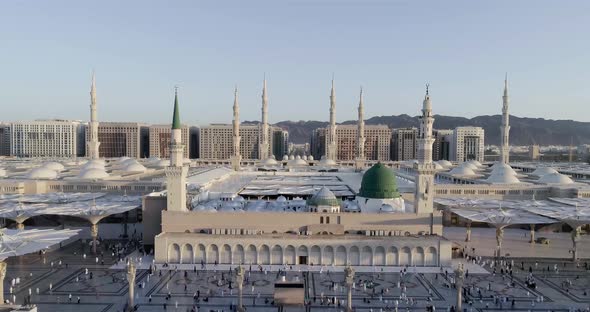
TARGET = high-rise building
x,y
46,138
216,141
280,142
4,139
534,152
442,144
118,139
467,144
377,142
160,138
404,144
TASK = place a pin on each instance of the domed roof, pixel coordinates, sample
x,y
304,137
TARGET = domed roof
x,y
462,171
503,169
93,174
324,197
291,157
379,182
53,165
162,163
281,198
351,206
556,178
502,177
297,162
135,167
269,162
310,157
285,157
42,173
123,159
543,171
469,165
386,208
128,162
444,163
438,166
327,162
95,163
475,163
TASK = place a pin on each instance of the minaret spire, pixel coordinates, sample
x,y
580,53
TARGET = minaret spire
x,y
331,135
236,157
177,171
93,144
505,127
423,198
361,127
264,142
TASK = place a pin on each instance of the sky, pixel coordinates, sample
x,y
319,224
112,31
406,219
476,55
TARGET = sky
x,y
140,50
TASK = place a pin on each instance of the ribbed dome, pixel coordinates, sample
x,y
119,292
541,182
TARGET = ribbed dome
x,y
503,169
438,166
93,174
123,159
297,162
135,167
543,171
95,163
285,157
327,162
556,178
469,165
445,163
462,171
502,177
162,163
53,165
475,163
269,162
42,173
324,197
379,182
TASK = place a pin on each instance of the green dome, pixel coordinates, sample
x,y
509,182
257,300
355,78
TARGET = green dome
x,y
379,182
324,197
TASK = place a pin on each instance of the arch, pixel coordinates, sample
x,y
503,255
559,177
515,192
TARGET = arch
x,y
431,257
213,254
354,256
277,255
392,256
379,257
315,255
239,255
264,255
328,256
405,256
251,255
341,257
225,254
418,256
201,255
174,253
187,254
289,256
367,256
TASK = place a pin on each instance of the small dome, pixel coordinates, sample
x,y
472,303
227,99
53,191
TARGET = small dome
x,y
502,177
239,199
469,165
351,206
281,198
55,166
123,159
269,162
462,171
445,163
543,171
327,162
291,157
42,173
128,162
162,163
475,163
503,169
556,178
438,166
93,174
297,162
135,167
310,157
95,163
324,197
379,182
285,157
387,208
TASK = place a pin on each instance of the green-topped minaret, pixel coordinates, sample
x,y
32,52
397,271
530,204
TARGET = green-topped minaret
x,y
176,117
177,171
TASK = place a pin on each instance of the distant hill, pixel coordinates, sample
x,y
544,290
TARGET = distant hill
x,y
523,131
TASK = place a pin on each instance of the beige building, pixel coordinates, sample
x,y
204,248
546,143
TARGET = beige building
x,y
467,144
216,141
118,139
404,144
377,142
442,144
159,140
46,138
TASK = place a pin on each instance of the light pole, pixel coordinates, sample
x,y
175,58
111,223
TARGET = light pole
x,y
131,272
468,231
499,236
459,278
240,281
2,276
575,239
349,280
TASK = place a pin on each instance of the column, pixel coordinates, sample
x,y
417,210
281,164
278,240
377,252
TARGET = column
x,y
94,235
349,280
532,234
240,281
459,277
131,271
2,276
499,236
575,240
468,231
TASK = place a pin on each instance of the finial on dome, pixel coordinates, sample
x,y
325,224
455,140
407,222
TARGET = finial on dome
x,y
427,86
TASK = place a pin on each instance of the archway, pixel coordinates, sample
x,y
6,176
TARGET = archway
x,y
264,255
418,256
355,256
213,254
225,254
187,254
277,255
379,257
290,255
201,254
251,255
328,256
405,256
174,253
238,257
392,256
316,255
302,255
341,256
431,257
367,256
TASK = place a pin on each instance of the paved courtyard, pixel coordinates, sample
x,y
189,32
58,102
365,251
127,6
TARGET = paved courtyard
x,y
101,285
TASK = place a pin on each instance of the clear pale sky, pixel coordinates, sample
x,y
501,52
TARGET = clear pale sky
x,y
141,49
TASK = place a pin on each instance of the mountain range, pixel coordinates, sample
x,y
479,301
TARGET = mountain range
x,y
523,130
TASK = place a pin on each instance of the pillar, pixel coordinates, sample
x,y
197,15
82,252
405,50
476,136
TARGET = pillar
x,y
499,236
349,280
459,278
532,234
131,271
94,235
2,276
240,281
468,232
575,239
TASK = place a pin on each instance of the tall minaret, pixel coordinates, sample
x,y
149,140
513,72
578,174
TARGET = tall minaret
x,y
332,145
360,150
425,167
93,144
264,142
236,157
505,127
176,172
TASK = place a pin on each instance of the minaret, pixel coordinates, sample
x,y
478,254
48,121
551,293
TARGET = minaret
x,y
93,144
332,145
176,172
264,144
360,150
425,168
505,127
236,157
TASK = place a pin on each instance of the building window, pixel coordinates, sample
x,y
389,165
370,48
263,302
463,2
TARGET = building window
x,y
327,220
321,220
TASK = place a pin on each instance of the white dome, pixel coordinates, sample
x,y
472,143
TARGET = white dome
x,y
475,163
128,162
503,169
556,178
502,177
93,174
285,157
95,163
386,208
42,173
269,162
445,163
469,165
2,173
162,163
281,198
304,157
297,162
438,166
123,159
310,157
462,171
135,167
291,157
53,165
327,162
543,171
